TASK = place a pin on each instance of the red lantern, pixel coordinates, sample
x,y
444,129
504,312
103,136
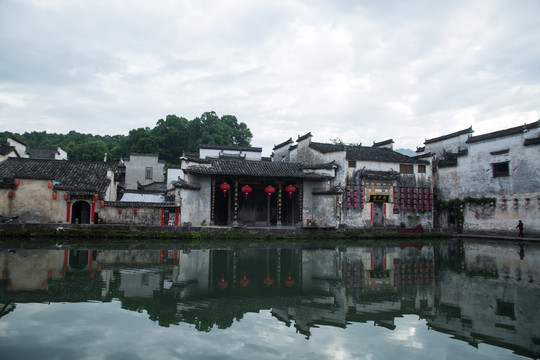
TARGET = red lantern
x,y
268,281
289,282
10,193
224,187
269,190
50,184
246,189
102,204
245,281
222,284
135,210
54,195
66,196
290,189
16,182
95,197
119,211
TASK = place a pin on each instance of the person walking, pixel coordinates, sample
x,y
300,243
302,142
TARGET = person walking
x,y
520,227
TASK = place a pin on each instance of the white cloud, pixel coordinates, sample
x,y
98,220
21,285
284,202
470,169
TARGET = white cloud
x,y
356,70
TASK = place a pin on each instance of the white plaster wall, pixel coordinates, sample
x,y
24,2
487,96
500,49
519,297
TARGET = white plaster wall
x,y
136,170
449,145
20,148
474,177
174,175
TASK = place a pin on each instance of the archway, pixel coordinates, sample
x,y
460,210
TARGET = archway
x,y
80,213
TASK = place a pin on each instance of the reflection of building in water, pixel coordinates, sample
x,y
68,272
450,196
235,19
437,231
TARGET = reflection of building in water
x,y
477,292
493,297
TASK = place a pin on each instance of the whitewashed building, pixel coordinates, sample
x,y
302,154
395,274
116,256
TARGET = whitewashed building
x,y
374,186
496,176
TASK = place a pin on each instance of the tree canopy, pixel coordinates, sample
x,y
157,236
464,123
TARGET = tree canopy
x,y
170,138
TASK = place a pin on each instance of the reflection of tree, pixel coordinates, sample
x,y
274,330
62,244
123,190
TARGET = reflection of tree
x,y
161,308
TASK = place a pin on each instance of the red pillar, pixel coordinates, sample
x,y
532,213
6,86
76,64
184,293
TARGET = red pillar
x,y
68,212
90,259
176,217
92,212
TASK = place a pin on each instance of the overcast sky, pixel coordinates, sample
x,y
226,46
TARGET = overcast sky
x,y
362,71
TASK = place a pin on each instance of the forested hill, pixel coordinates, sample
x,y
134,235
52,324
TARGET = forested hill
x,y
169,138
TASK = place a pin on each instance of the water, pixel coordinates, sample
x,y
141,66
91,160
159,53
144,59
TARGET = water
x,y
457,299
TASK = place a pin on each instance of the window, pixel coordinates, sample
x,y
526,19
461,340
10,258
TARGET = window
x,y
352,163
422,169
148,173
501,169
406,169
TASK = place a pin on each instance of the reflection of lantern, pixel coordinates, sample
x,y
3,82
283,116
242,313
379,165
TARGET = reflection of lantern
x,y
102,204
268,281
10,193
95,197
66,196
50,184
290,189
224,187
16,182
269,190
54,195
289,282
222,284
246,189
245,281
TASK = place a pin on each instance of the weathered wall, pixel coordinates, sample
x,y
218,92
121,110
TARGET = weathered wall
x,y
473,177
143,215
33,202
136,170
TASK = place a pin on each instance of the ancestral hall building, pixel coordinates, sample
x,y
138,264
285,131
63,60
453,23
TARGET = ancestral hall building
x,y
303,184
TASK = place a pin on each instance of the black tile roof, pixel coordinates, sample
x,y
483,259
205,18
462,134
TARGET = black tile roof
x,y
379,175
303,137
367,153
533,141
10,136
283,144
154,187
227,147
336,190
382,143
326,148
73,176
255,168
503,133
180,183
449,136
6,149
41,153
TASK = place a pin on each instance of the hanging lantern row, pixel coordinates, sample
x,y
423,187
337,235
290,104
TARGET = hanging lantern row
x,y
413,199
246,189
353,196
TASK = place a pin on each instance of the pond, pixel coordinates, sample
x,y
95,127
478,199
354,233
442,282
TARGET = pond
x,y
444,300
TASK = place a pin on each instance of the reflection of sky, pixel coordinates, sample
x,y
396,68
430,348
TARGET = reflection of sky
x,y
105,331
